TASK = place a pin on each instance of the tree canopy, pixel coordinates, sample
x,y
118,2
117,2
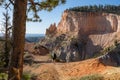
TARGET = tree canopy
x,y
98,8
34,6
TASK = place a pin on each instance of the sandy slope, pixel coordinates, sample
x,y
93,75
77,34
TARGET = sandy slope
x,y
45,70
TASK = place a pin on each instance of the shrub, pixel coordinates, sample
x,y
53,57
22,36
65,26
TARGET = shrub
x,y
26,75
92,77
107,49
28,59
3,76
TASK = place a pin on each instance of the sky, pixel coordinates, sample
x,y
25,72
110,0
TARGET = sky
x,y
55,15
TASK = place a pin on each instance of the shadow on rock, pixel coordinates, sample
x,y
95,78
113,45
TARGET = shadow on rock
x,y
112,58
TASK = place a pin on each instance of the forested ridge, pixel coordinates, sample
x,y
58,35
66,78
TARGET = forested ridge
x,y
115,9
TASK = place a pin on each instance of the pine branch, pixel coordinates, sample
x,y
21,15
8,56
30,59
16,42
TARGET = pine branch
x,y
33,4
7,5
11,2
36,3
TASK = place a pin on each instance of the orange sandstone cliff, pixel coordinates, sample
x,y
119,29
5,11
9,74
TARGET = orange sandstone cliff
x,y
94,31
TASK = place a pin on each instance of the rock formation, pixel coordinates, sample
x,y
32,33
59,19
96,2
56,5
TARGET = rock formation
x,y
32,48
111,58
88,22
83,34
51,30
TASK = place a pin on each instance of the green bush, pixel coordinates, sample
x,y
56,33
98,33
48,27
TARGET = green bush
x,y
97,54
3,76
106,50
92,77
26,76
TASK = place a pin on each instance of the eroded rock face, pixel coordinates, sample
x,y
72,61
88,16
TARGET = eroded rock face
x,y
41,50
29,47
32,48
93,32
88,22
51,31
112,58
96,30
63,46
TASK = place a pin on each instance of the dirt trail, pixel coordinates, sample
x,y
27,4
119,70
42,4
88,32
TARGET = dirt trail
x,y
45,70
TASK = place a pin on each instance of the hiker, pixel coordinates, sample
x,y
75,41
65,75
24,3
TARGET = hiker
x,y
54,56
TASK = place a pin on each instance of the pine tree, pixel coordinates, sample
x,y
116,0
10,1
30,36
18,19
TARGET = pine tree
x,y
19,26
7,33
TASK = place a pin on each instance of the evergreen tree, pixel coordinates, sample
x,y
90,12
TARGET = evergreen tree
x,y
98,8
19,25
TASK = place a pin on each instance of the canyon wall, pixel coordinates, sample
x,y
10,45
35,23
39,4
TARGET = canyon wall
x,y
94,31
88,22
98,30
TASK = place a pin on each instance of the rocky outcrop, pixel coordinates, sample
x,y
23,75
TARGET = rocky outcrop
x,y
88,22
41,50
85,34
51,30
63,45
29,47
111,58
35,49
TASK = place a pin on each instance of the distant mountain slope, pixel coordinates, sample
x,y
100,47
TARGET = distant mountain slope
x,y
34,37
31,37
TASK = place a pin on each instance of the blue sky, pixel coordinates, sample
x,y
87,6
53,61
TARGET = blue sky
x,y
55,15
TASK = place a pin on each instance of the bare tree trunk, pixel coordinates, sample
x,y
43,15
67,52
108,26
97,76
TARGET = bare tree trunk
x,y
18,38
6,49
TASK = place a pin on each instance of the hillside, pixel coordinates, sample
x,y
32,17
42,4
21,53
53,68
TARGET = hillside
x,y
87,45
90,69
84,33
100,68
34,37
